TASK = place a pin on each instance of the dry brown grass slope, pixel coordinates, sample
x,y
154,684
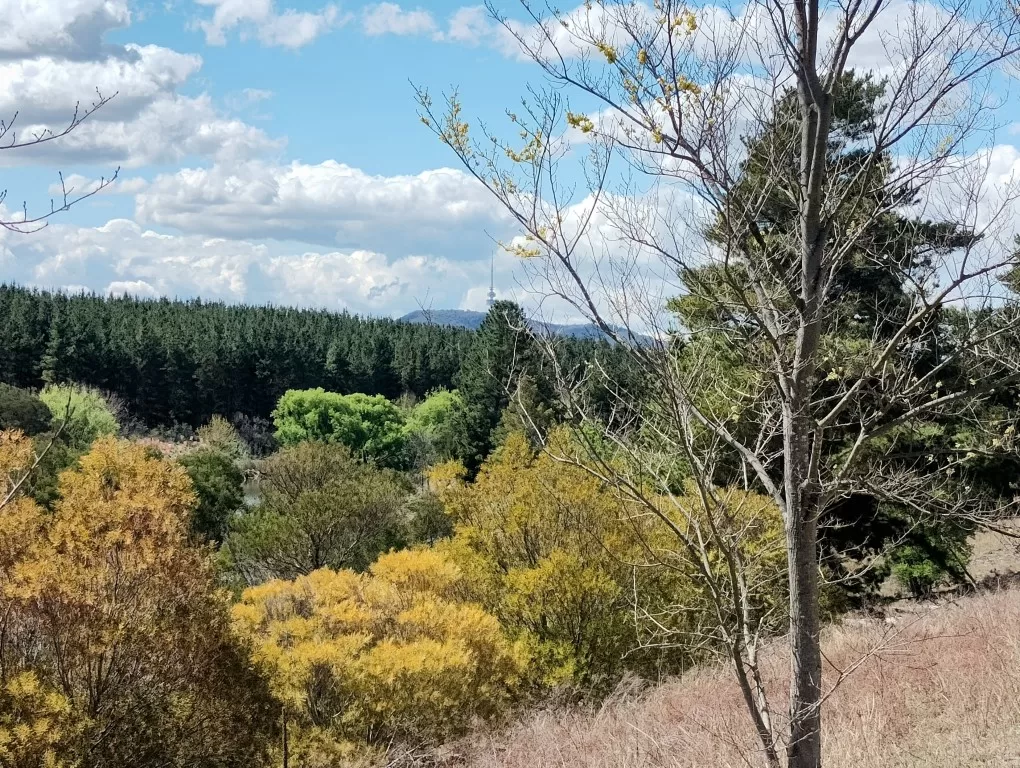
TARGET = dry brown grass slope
x,y
942,690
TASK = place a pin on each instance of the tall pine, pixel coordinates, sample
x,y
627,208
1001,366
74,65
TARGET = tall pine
x,y
503,354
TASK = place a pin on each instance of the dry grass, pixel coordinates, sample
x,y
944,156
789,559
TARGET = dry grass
x,y
995,553
942,689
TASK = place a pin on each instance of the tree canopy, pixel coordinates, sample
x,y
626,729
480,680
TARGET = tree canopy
x,y
320,507
117,649
371,426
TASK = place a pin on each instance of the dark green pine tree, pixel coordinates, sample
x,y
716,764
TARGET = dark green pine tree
x,y
338,368
871,288
56,367
22,336
178,377
503,354
145,389
870,300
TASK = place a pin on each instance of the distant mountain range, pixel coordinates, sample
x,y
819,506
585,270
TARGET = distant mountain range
x,y
465,318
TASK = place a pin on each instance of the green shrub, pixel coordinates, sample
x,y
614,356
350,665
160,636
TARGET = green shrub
x,y
931,555
371,426
56,456
219,486
87,414
20,409
320,507
435,427
427,521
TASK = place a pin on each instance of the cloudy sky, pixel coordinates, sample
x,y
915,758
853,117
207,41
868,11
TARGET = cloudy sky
x,y
268,151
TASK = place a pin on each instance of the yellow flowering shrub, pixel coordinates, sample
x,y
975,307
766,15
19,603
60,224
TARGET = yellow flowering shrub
x,y
37,725
116,647
603,585
392,654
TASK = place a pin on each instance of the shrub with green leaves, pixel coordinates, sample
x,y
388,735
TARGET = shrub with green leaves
x,y
435,428
219,485
931,555
20,409
371,426
320,507
86,412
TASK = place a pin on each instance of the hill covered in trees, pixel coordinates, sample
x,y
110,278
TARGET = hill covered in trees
x,y
182,362
466,318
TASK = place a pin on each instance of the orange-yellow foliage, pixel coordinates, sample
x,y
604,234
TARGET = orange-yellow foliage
x,y
554,552
395,653
114,641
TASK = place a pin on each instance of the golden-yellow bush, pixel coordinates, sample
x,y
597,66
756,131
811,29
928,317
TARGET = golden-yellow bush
x,y
391,654
37,725
603,584
116,649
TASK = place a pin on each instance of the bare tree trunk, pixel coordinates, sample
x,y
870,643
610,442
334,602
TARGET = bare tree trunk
x,y
286,744
801,487
805,746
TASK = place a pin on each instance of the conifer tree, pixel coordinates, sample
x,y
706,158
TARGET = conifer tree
x,y
503,351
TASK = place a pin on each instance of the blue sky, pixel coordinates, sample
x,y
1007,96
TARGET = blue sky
x,y
269,151
254,95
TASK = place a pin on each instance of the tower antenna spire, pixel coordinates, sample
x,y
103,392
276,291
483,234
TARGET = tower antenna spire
x,y
492,282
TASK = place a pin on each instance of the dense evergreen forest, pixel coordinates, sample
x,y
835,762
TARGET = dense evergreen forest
x,y
183,361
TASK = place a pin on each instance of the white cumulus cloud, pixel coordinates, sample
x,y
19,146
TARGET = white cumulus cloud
x,y
365,280
54,56
391,19
138,288
470,25
259,19
122,257
170,129
71,29
45,89
327,203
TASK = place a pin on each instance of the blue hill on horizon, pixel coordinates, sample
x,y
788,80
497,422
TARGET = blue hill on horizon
x,y
466,318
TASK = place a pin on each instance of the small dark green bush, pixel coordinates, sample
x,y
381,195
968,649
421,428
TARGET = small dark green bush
x,y
20,409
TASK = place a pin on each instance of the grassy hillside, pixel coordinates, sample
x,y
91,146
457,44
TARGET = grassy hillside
x,y
928,686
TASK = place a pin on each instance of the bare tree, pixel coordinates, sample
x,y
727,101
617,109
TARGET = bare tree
x,y
683,107
10,140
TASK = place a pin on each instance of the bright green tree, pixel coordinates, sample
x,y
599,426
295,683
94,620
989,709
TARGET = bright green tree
x,y
84,413
434,427
371,426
